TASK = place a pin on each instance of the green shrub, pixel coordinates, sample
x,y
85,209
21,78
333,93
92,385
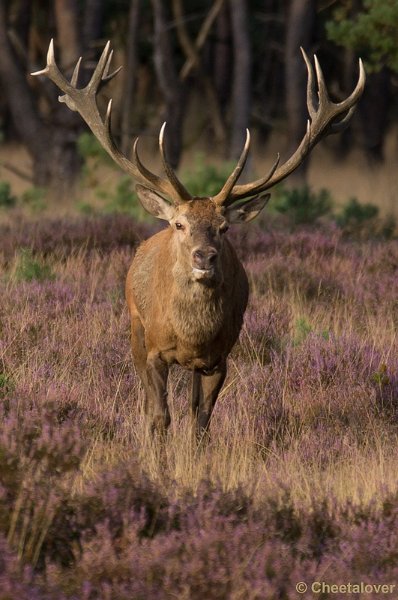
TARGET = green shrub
x,y
204,179
34,198
302,329
6,384
370,29
124,200
388,227
93,154
354,213
363,220
85,208
89,147
29,268
302,205
7,200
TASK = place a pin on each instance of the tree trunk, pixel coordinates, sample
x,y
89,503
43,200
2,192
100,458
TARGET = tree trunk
x,y
373,113
69,38
130,75
22,106
22,18
67,125
192,53
53,151
299,32
222,56
92,22
172,90
241,93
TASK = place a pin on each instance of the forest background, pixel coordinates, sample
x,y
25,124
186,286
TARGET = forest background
x,y
210,69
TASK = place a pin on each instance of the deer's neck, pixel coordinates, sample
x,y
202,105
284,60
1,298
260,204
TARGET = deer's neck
x,y
198,310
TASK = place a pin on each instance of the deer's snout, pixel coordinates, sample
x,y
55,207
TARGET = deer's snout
x,y
204,258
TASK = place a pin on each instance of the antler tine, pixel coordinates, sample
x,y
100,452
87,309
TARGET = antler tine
x,y
326,117
52,71
182,193
343,124
99,70
260,182
325,120
358,91
108,76
108,117
84,101
75,74
223,194
322,89
154,181
312,100
157,183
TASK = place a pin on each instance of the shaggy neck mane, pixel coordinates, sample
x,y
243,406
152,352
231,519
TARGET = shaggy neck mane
x,y
197,311
197,308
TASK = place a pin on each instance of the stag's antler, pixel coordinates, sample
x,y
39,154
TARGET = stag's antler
x,y
324,120
84,101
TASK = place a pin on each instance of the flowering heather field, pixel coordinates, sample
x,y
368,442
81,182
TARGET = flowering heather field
x,y
299,479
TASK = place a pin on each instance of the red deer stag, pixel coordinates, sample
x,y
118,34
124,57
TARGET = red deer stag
x,y
186,289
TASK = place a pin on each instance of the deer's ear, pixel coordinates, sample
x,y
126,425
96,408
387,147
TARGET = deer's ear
x,y
242,213
154,204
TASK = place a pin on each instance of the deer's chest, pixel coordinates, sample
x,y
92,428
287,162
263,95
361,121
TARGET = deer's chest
x,y
197,332
197,322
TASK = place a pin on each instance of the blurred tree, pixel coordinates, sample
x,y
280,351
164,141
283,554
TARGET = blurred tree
x,y
241,56
92,22
223,56
48,130
193,61
49,143
374,113
69,38
368,28
173,90
241,86
268,56
130,74
299,32
21,17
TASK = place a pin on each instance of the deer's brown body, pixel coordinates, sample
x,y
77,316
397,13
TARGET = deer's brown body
x,y
186,289
179,319
185,321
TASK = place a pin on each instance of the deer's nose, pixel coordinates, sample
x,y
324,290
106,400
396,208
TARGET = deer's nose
x,y
204,258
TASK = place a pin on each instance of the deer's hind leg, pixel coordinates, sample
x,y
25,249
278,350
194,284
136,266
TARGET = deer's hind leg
x,y
139,353
196,394
205,390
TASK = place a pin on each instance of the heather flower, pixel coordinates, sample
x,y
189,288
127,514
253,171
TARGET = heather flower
x,y
91,508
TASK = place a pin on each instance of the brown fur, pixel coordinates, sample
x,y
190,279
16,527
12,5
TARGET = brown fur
x,y
191,323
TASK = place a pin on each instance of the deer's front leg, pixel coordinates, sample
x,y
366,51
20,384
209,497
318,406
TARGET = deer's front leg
x,y
157,372
211,386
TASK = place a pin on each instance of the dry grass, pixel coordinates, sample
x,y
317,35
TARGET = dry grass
x,y
75,344
304,432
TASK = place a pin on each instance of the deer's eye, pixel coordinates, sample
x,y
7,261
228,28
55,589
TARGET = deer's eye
x,y
180,226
